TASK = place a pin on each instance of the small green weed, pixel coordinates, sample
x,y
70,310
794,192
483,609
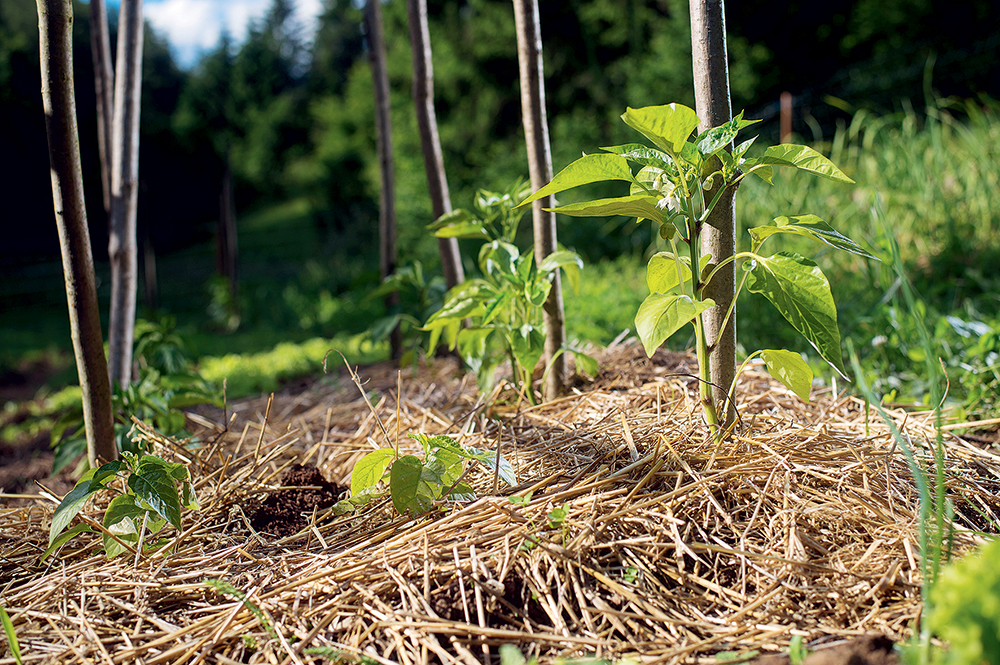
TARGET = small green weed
x,y
416,484
147,501
12,643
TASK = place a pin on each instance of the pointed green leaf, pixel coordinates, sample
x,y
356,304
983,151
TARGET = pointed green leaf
x,y
637,205
801,157
667,126
588,169
91,482
813,227
189,499
12,643
458,223
585,363
789,368
496,308
661,315
411,486
489,459
661,272
64,538
800,291
528,344
560,259
446,463
152,484
472,229
124,518
370,469
719,137
644,155
569,261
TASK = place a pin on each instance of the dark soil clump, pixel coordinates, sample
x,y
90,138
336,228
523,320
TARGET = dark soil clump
x,y
288,511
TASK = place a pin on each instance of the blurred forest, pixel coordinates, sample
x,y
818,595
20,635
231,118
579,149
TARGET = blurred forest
x,y
292,113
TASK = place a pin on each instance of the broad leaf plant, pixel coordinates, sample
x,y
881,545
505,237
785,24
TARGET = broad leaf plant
x,y
678,183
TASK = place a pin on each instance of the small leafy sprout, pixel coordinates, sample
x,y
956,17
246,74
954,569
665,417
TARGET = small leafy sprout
x,y
504,306
678,184
148,501
797,650
8,629
416,484
419,297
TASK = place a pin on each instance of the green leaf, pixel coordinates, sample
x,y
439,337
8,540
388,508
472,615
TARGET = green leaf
x,y
585,363
719,137
569,261
661,272
153,484
560,259
412,490
661,315
189,499
636,205
124,518
447,464
459,224
667,126
12,643
91,482
800,291
810,226
644,155
801,157
528,344
370,469
589,168
489,459
64,538
496,308
791,370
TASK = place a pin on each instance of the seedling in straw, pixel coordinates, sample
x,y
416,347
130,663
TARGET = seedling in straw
x,y
416,484
678,184
148,500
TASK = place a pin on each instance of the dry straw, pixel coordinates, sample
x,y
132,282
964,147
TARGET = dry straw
x,y
672,549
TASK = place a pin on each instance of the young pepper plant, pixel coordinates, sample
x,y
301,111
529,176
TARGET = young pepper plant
x,y
504,306
677,185
149,500
416,484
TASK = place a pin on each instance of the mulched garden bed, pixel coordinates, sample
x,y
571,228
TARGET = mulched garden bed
x,y
673,548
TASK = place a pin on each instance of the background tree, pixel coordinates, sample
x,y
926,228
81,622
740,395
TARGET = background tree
x,y
383,124
59,102
423,99
536,136
122,244
104,77
712,104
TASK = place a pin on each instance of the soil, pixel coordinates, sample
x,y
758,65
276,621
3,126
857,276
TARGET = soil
x,y
867,650
289,510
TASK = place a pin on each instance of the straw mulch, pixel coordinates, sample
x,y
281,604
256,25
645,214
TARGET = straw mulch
x,y
672,548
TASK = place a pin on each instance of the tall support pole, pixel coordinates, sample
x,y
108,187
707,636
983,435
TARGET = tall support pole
x,y
712,104
430,142
55,31
536,135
